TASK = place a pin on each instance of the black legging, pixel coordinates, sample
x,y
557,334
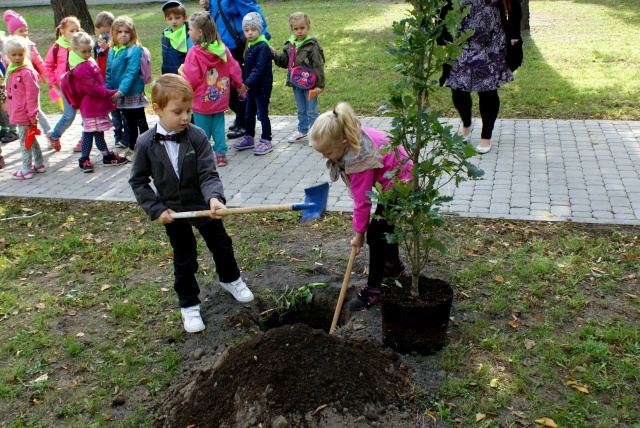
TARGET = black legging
x,y
489,108
380,251
136,121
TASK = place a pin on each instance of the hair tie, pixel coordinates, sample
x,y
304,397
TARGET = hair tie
x,y
335,115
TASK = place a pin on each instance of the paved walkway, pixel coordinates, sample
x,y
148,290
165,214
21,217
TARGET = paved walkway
x,y
585,171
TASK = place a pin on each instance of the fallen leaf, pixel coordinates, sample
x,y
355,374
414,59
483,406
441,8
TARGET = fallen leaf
x,y
547,422
513,324
40,305
105,287
80,334
499,279
548,215
164,289
493,383
293,259
529,344
633,296
41,378
480,416
576,385
432,416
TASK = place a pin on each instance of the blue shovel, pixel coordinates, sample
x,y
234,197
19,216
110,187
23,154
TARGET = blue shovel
x,y
314,205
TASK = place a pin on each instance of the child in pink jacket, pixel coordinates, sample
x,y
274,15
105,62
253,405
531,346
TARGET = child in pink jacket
x,y
23,93
92,97
17,26
211,71
56,64
353,154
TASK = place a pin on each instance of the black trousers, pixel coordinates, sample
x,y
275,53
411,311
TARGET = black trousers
x,y
380,251
185,257
237,106
489,107
136,121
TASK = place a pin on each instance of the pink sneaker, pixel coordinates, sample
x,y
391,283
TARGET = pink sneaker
x,y
38,169
55,144
78,147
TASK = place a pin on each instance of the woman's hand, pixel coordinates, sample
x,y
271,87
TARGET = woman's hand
x,y
358,242
165,217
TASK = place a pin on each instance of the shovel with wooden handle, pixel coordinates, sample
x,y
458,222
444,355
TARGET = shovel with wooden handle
x,y
314,205
343,290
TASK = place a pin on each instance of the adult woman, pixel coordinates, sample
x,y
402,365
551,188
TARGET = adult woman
x,y
482,67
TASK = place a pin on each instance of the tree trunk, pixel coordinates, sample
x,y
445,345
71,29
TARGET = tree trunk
x,y
525,15
77,8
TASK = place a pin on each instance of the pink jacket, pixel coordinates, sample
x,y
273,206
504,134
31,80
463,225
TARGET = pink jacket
x,y
23,92
211,77
89,84
362,182
37,61
56,68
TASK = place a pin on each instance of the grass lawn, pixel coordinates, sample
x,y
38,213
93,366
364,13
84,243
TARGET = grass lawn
x,y
545,322
581,57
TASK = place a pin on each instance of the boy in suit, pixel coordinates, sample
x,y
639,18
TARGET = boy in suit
x,y
179,159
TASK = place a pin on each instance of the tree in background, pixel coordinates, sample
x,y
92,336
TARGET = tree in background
x,y
524,4
77,8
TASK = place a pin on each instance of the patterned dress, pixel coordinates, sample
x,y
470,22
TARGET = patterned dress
x,y
482,66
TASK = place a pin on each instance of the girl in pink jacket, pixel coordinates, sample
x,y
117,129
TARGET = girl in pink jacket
x,y
23,93
353,154
92,97
56,64
211,71
17,26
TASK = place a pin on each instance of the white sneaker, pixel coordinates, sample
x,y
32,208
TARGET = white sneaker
x,y
192,319
297,136
239,290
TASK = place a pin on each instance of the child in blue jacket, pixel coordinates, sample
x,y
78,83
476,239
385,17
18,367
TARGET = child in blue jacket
x,y
175,38
123,74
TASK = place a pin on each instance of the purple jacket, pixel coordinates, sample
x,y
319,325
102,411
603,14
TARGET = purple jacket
x,y
89,84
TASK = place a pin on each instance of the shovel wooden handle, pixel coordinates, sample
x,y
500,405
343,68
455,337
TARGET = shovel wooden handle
x,y
231,211
343,290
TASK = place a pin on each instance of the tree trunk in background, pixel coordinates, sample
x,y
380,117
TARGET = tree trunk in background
x,y
77,8
525,15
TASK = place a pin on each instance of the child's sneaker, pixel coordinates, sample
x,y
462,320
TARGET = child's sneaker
x,y
263,148
239,290
19,175
221,159
297,136
1,162
9,136
38,168
394,270
191,319
113,159
121,145
366,298
55,144
129,155
85,165
78,147
244,143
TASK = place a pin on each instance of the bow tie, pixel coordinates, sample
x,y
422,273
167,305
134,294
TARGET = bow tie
x,y
172,137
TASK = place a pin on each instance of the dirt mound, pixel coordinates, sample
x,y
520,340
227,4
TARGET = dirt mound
x,y
286,374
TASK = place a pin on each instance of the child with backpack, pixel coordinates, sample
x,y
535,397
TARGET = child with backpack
x,y
56,64
211,71
23,93
128,66
303,58
17,26
85,89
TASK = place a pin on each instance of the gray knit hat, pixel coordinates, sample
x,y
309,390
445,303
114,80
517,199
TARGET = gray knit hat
x,y
252,19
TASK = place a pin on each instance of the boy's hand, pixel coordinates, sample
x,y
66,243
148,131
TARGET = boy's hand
x,y
103,45
165,217
214,204
358,242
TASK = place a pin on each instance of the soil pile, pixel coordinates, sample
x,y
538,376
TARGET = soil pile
x,y
286,374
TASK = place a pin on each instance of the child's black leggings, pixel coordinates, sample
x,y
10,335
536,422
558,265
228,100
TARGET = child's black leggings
x,y
489,107
380,251
136,121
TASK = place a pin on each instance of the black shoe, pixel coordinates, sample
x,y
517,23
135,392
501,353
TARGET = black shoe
x,y
237,132
366,298
85,165
232,126
9,137
394,271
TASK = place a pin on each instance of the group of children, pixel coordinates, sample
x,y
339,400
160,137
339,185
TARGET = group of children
x,y
105,83
176,154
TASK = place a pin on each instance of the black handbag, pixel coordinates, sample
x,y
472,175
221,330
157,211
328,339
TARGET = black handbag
x,y
240,40
515,52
